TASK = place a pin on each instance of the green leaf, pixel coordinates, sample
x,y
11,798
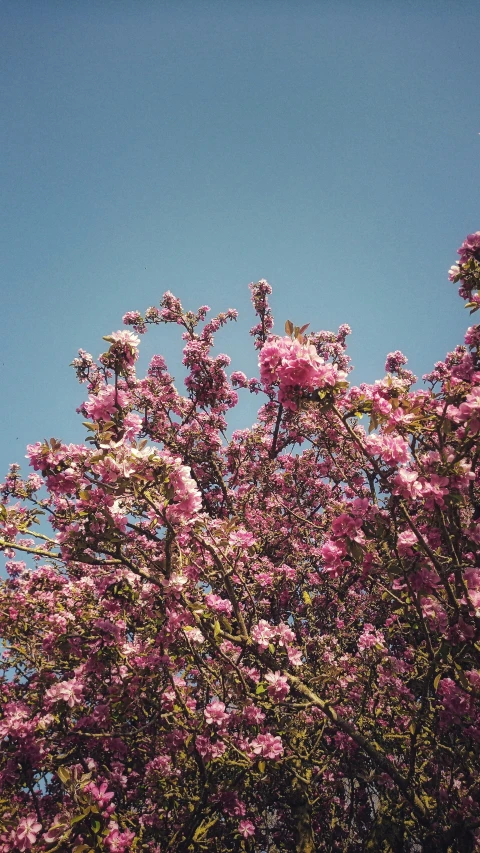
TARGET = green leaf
x,y
260,689
216,629
261,766
96,826
307,599
437,680
63,774
356,550
79,817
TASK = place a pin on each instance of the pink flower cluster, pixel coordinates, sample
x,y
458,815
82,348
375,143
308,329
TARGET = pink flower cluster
x,y
393,449
108,401
370,638
263,634
215,714
296,368
267,746
70,691
469,411
470,248
118,841
218,604
187,501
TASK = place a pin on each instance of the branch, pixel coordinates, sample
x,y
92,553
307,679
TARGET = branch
x,y
29,550
373,751
273,448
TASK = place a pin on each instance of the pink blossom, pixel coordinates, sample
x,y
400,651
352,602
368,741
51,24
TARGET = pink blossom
x,y
232,804
116,841
268,746
406,484
470,248
161,765
394,361
253,715
102,406
434,489
405,542
135,319
239,378
370,638
294,656
278,687
472,336
209,750
332,552
454,699
195,635
392,449
132,425
246,828
100,793
453,272
434,614
469,411
215,713
118,689
16,721
345,525
473,676
187,498
242,538
218,604
70,692
359,507
262,634
125,338
27,831
474,596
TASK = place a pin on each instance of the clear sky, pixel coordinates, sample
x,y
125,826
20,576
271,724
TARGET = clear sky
x,y
330,147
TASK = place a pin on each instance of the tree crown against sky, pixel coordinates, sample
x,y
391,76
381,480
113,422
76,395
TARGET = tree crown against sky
x,y
262,643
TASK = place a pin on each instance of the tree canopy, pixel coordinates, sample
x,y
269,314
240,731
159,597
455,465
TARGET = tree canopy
x,y
268,642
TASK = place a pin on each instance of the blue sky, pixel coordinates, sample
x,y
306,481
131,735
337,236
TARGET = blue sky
x,y
331,147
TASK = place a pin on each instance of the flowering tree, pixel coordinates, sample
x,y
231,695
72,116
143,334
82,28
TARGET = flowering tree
x,y
267,643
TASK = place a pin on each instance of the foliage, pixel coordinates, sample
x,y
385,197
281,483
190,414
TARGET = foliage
x,y
267,643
